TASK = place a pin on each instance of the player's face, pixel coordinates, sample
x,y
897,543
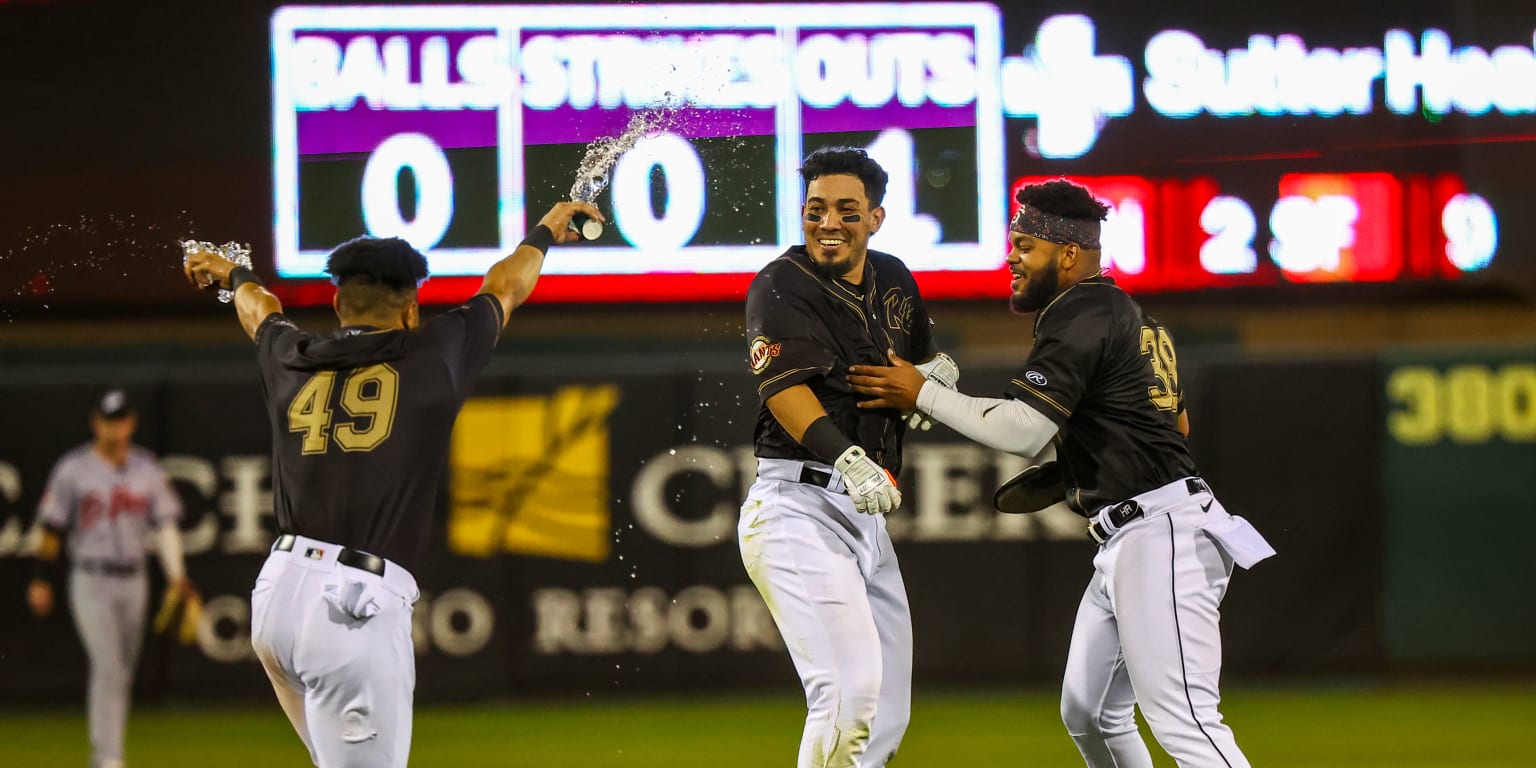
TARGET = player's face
x,y
838,221
113,433
1035,269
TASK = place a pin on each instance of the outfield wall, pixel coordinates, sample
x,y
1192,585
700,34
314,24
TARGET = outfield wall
x,y
585,537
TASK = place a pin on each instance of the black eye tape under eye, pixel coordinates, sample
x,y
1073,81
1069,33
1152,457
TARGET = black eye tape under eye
x,y
813,216
852,218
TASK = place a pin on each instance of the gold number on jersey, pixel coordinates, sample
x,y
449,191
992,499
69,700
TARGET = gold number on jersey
x,y
310,411
1158,345
369,394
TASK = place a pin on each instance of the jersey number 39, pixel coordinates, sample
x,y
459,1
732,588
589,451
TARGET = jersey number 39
x,y
1157,344
368,395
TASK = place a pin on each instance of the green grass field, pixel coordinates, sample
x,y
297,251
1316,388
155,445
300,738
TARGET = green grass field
x,y
1441,725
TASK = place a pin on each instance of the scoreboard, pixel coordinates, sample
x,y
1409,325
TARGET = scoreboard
x,y
457,127
1244,154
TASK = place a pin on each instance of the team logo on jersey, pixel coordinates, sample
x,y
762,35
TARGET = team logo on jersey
x,y
898,310
1035,377
762,352
530,473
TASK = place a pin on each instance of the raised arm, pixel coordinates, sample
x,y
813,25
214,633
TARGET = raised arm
x,y
511,280
253,302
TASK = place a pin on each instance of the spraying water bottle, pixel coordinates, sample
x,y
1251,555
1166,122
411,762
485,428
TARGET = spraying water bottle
x,y
585,190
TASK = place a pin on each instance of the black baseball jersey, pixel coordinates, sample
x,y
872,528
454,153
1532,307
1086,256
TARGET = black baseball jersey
x,y
361,420
803,328
1106,373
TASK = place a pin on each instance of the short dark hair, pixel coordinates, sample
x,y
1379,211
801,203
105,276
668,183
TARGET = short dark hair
x,y
1063,198
374,274
830,161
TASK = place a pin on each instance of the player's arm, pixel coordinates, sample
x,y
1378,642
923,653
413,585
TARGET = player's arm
x,y
1184,423
512,279
46,564
1004,424
253,302
871,487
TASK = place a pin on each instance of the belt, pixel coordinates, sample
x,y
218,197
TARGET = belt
x,y
349,557
107,568
796,471
812,476
1114,517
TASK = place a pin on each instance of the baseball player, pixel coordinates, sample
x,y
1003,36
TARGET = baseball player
x,y
812,529
1101,390
361,420
104,498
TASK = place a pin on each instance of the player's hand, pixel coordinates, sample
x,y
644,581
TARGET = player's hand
x,y
559,218
871,487
40,597
941,370
208,269
890,386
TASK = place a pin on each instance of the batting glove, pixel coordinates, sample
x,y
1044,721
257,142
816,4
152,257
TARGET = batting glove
x,y
941,370
872,489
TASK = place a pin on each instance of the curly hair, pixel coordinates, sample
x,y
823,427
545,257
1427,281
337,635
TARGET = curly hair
x,y
853,161
376,274
1063,198
387,261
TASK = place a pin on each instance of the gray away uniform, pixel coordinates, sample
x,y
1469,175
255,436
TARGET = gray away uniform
x,y
105,514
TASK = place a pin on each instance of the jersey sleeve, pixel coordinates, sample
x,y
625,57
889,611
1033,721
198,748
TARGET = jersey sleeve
x,y
53,511
1068,347
787,343
465,336
165,505
275,337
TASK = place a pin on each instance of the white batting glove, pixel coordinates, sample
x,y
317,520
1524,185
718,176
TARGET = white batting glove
x,y
872,489
941,370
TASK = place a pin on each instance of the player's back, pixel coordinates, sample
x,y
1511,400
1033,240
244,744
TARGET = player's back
x,y
361,422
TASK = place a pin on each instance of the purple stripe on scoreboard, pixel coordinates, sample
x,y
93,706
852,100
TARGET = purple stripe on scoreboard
x,y
849,117
568,125
361,129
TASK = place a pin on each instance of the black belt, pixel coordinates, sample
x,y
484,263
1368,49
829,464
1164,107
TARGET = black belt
x,y
1128,510
349,557
817,477
107,568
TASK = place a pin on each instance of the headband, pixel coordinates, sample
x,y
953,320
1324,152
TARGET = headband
x,y
1057,229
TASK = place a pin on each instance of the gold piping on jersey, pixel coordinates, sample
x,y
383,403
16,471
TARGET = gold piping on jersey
x,y
860,308
1043,396
1088,280
763,385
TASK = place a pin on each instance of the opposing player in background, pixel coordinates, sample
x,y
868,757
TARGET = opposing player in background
x,y
812,530
361,421
1101,389
103,499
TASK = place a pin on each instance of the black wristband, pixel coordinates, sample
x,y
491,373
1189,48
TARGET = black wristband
x,y
539,237
824,439
240,276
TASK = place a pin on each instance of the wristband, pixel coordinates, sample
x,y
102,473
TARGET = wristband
x,y
824,439
539,237
240,276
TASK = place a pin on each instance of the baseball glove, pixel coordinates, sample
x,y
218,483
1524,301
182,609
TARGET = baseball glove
x,y
183,607
1032,490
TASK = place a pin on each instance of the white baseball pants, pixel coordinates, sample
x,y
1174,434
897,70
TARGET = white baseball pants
x,y
1148,633
336,643
834,587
